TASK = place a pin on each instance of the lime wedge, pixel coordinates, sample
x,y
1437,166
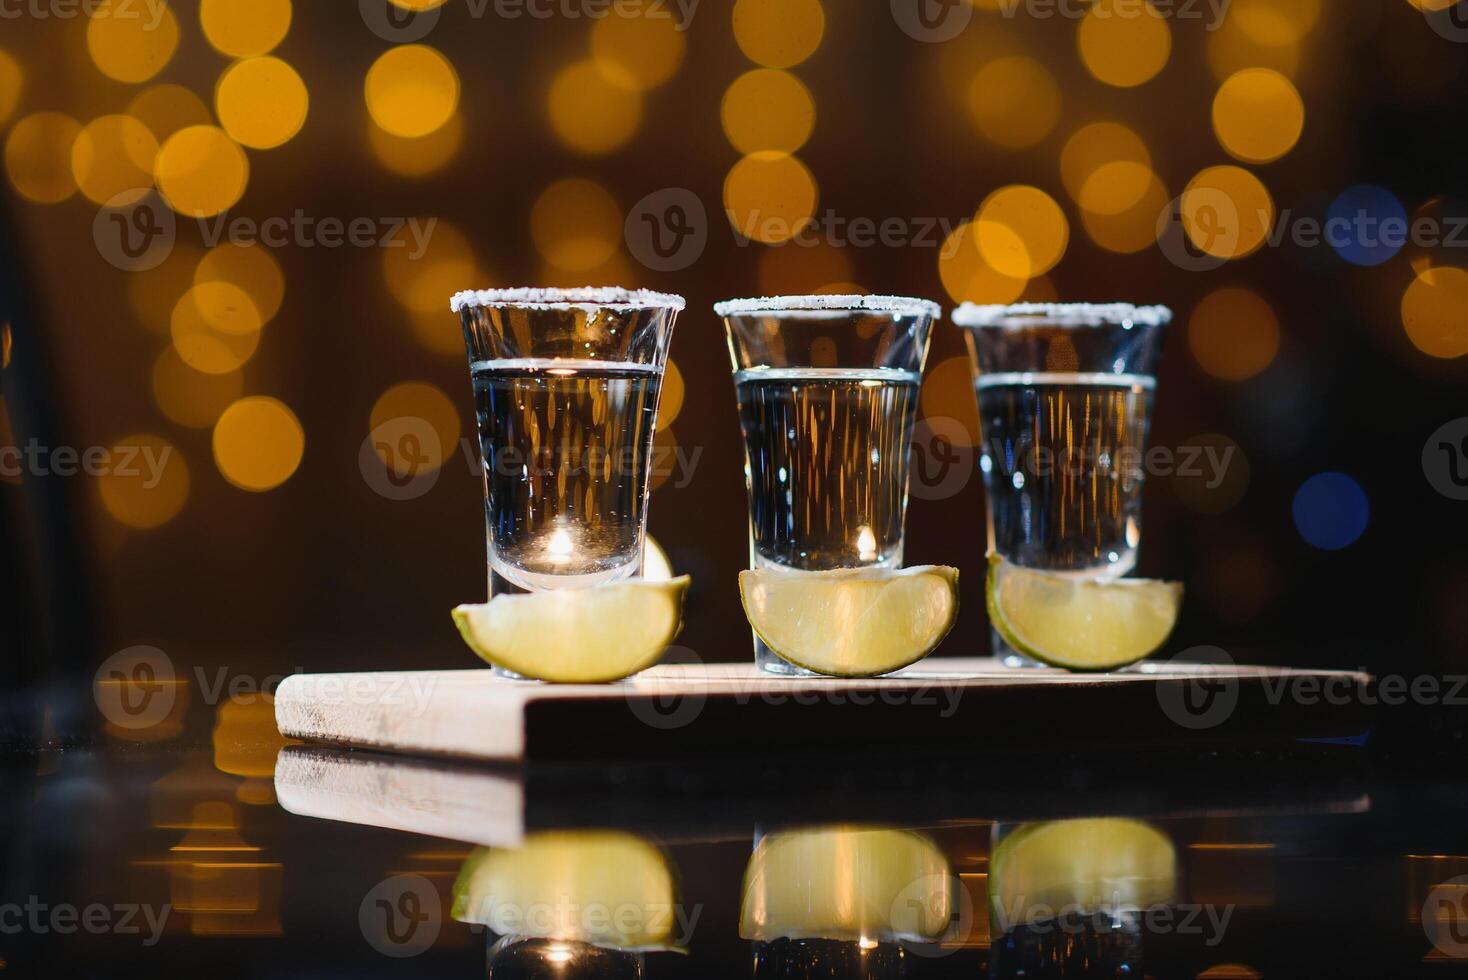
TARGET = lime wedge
x,y
577,636
608,888
1080,624
1085,865
846,883
852,622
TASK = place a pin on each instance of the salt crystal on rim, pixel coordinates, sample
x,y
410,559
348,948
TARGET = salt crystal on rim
x,y
873,304
581,297
1060,314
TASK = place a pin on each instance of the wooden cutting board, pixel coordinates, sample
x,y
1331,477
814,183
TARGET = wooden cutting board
x,y
938,707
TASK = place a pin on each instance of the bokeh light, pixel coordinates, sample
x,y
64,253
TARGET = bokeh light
x,y
252,268
1258,115
201,171
418,5
1233,333
1124,42
670,402
1021,231
590,113
576,224
153,293
770,197
967,277
1435,312
258,443
796,269
1230,49
417,156
38,157
12,83
1014,101
1366,225
215,327
165,109
144,482
1227,212
189,397
638,47
1133,228
422,275
262,102
767,109
778,33
1331,511
419,404
412,90
112,160
245,28
129,41
948,393
1097,145
1275,22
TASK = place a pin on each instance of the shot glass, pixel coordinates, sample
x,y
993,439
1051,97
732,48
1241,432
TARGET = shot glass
x,y
828,393
1065,401
566,386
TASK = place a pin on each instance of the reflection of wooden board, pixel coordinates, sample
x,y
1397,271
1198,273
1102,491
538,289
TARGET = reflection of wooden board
x,y
938,707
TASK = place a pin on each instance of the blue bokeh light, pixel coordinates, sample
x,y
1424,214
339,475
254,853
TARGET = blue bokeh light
x,y
1331,511
1366,225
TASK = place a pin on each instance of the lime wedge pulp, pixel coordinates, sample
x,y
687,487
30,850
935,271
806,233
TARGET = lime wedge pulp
x,y
577,636
1080,624
851,622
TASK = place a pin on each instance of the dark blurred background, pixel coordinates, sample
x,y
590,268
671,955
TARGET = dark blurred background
x,y
1172,154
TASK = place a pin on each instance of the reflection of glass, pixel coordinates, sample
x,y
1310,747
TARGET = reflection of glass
x,y
566,385
828,393
1067,897
1065,398
608,889
533,958
853,885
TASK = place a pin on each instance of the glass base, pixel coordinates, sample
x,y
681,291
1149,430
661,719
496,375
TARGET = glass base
x,y
1009,656
771,663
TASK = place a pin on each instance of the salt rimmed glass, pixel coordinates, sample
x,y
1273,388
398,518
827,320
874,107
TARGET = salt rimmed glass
x,y
1065,396
828,394
566,387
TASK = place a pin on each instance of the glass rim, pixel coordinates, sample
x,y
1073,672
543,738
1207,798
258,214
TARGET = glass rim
x,y
1015,315
828,303
578,297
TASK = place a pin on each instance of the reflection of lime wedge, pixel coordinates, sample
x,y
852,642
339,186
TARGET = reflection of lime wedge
x,y
852,622
1044,869
577,636
1080,624
604,887
846,883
